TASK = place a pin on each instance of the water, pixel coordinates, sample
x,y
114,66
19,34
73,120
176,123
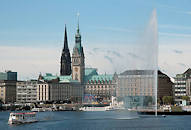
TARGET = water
x,y
108,120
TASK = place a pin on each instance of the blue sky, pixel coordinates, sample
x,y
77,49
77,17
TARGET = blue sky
x,y
39,24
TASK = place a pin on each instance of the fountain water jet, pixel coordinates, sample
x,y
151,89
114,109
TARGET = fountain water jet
x,y
143,73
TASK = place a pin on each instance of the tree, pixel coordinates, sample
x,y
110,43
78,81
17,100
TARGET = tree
x,y
147,101
167,100
186,98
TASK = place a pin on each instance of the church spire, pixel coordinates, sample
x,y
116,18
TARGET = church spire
x,y
65,68
65,40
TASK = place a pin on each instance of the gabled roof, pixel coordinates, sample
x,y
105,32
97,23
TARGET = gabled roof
x,y
188,71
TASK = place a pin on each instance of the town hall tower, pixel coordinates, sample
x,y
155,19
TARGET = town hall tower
x,y
78,66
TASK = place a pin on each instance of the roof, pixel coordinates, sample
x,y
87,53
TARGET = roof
x,y
49,77
92,75
138,72
186,74
62,79
90,71
102,77
188,71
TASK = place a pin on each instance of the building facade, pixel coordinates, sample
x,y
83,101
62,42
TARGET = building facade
x,y
165,86
8,91
8,75
135,83
102,87
8,86
60,91
26,91
136,87
182,84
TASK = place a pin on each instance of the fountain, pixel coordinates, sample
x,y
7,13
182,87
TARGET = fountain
x,y
137,84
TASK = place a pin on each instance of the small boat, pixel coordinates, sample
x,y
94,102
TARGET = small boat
x,y
21,118
92,109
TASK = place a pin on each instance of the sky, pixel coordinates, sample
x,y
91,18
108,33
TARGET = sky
x,y
31,34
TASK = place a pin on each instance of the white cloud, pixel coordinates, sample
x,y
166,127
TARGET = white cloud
x,y
178,27
30,61
175,34
188,12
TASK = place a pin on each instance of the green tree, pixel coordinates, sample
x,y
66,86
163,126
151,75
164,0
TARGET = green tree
x,y
186,98
147,101
167,100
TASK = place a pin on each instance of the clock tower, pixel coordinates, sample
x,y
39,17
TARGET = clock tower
x,y
78,65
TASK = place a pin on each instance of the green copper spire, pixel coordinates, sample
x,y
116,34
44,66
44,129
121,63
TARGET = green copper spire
x,y
78,27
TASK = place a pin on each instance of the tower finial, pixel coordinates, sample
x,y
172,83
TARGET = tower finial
x,y
78,28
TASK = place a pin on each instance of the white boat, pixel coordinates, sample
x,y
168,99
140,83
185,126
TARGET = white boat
x,y
20,118
92,109
41,109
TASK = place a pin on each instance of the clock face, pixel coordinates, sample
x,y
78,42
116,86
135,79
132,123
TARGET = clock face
x,y
76,69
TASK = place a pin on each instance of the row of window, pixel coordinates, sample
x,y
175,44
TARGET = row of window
x,y
100,86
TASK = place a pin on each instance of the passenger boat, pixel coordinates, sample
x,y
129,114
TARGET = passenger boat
x,y
20,118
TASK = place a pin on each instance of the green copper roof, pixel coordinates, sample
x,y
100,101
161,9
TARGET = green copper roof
x,y
79,47
49,77
104,77
92,75
63,79
90,71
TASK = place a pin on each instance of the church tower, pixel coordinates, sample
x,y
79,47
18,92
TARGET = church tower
x,y
78,66
65,68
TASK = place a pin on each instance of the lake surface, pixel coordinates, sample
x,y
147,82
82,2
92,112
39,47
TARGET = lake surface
x,y
109,120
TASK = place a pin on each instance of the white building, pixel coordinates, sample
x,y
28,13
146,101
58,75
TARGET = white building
x,y
26,91
182,84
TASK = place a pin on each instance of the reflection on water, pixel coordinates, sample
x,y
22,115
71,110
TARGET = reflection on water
x,y
101,115
98,120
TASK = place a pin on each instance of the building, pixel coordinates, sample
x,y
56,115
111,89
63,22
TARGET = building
x,y
165,86
26,91
59,88
8,86
182,85
73,83
78,59
137,86
102,87
8,91
70,84
8,75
